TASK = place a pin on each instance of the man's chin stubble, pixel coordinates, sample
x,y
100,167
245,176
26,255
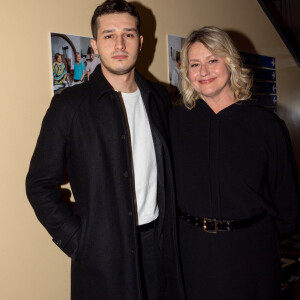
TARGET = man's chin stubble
x,y
119,72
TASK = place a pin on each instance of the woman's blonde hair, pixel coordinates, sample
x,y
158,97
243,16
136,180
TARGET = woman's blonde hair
x,y
220,44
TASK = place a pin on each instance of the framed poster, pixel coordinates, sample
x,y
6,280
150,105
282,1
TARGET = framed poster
x,y
71,57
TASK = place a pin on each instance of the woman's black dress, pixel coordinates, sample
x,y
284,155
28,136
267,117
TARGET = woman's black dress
x,y
233,165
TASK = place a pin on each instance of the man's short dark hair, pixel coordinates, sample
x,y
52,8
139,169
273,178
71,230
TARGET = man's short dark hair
x,y
90,51
113,7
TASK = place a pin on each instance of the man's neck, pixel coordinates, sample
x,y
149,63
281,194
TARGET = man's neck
x,y
123,83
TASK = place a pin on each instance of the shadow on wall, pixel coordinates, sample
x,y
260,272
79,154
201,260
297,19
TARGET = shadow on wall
x,y
148,28
241,41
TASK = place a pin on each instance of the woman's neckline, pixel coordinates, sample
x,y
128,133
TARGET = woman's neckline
x,y
224,110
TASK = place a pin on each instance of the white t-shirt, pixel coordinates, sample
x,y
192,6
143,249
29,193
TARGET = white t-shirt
x,y
144,159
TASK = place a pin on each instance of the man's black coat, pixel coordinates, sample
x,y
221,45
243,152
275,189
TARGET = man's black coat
x,y
85,131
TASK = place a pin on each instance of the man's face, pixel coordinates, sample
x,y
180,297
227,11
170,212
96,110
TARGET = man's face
x,y
118,43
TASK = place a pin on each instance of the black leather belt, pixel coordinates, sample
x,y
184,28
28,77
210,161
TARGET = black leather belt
x,y
215,225
145,227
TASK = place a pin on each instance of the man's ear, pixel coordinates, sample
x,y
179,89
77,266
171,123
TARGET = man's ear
x,y
94,46
141,42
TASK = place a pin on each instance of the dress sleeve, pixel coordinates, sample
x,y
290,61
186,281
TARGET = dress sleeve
x,y
283,181
63,68
46,174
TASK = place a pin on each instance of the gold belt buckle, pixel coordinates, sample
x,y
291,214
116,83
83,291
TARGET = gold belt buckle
x,y
215,230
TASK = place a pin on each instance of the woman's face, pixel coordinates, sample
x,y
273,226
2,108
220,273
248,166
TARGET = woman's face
x,y
78,58
59,59
208,73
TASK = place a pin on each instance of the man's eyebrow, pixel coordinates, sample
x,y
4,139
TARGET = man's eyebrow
x,y
124,29
130,29
107,31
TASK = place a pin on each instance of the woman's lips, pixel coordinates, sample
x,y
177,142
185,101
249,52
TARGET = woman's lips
x,y
206,81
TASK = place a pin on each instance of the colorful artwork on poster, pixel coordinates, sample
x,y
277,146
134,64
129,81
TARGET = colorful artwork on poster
x,y
73,60
175,44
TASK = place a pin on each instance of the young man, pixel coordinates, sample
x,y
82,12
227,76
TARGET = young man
x,y
111,135
92,63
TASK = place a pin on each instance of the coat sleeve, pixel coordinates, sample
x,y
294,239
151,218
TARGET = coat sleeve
x,y
46,174
283,181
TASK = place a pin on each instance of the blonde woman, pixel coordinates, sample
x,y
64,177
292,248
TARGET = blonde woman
x,y
235,176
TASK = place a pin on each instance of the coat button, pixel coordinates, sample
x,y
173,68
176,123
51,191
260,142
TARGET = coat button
x,y
130,214
123,136
125,174
132,251
58,242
